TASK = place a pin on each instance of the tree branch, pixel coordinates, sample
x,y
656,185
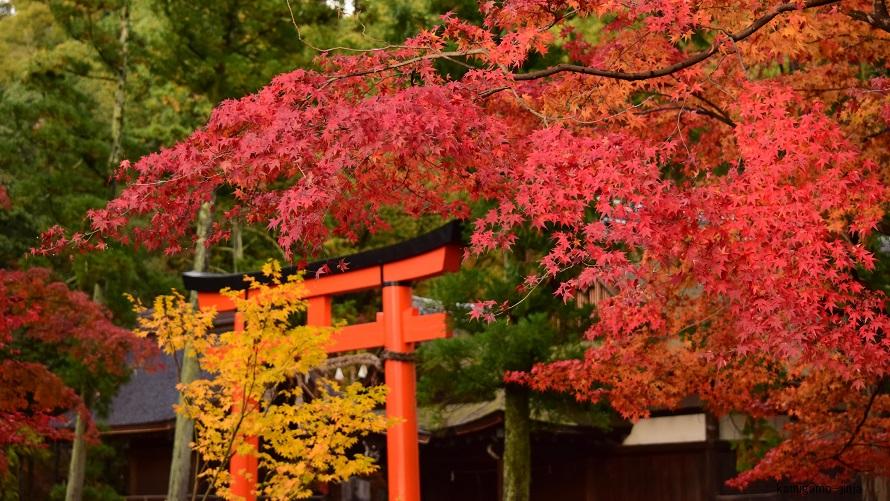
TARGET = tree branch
x,y
723,115
858,427
879,18
406,62
686,63
692,109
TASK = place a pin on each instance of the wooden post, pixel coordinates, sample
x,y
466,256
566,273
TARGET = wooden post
x,y
402,454
710,486
318,311
243,468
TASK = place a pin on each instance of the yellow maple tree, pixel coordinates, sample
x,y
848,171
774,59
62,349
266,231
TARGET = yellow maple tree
x,y
260,382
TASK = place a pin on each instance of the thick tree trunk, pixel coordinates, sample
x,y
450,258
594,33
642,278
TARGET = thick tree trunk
x,y
78,463
237,246
710,484
517,444
77,466
875,488
181,462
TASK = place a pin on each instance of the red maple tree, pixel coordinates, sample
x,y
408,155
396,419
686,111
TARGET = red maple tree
x,y
720,166
49,332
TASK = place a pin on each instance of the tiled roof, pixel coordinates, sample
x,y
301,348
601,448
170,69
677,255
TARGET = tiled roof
x,y
148,397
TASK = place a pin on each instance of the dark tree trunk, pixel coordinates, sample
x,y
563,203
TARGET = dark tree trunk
x,y
875,488
181,462
517,444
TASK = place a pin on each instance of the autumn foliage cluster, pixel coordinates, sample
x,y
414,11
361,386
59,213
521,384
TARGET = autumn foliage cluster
x,y
721,166
259,380
56,348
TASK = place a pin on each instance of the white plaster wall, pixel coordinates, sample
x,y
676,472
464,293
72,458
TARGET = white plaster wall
x,y
667,430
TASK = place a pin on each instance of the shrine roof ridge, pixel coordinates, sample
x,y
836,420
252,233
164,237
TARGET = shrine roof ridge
x,y
448,234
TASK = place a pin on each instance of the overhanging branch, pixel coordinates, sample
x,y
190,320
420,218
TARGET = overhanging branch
x,y
692,60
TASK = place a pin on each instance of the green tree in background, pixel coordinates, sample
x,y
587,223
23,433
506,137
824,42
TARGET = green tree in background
x,y
58,99
470,367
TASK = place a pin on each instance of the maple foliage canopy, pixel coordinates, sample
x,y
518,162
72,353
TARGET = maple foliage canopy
x,y
52,338
718,165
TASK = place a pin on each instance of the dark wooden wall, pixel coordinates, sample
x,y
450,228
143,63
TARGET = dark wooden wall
x,y
148,461
578,468
565,467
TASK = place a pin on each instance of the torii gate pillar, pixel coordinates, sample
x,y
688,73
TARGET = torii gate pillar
x,y
397,329
403,460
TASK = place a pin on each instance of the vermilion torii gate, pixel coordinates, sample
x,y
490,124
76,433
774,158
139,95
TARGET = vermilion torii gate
x,y
392,269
